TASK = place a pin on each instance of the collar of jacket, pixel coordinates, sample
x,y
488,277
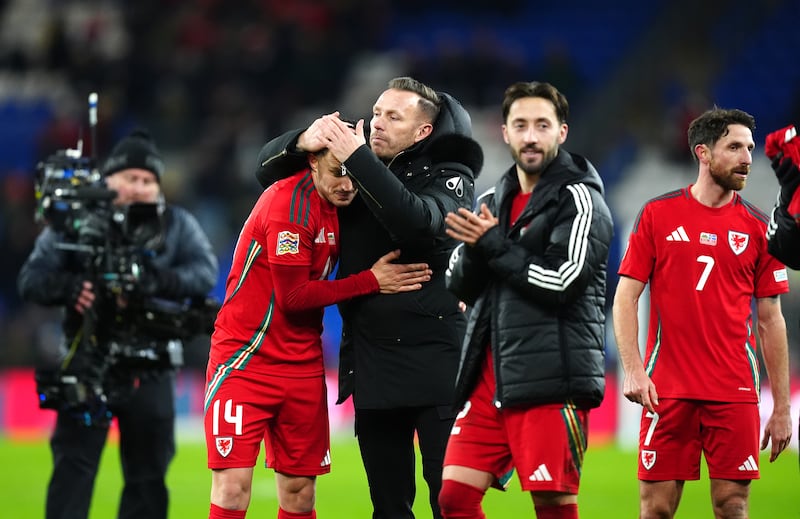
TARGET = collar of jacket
x,y
427,153
566,168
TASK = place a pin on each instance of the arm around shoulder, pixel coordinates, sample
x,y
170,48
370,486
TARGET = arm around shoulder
x,y
279,158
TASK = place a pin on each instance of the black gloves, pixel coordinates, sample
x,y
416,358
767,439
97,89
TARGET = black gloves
x,y
788,177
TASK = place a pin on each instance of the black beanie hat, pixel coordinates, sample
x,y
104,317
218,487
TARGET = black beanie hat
x,y
137,150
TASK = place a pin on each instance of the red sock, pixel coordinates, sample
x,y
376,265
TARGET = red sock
x,y
217,512
557,511
283,514
460,501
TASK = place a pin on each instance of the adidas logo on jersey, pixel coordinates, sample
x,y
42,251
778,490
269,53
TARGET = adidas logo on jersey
x,y
321,236
749,464
678,234
541,474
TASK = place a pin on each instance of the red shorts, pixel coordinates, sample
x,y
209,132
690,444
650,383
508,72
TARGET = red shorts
x,y
670,442
544,443
289,414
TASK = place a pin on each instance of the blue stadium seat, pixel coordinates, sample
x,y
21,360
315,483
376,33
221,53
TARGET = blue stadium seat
x,y
21,122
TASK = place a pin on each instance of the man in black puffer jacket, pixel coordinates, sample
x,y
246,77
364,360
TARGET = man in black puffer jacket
x,y
533,271
399,353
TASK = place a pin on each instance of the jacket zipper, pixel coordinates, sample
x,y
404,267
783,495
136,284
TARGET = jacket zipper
x,y
498,404
283,153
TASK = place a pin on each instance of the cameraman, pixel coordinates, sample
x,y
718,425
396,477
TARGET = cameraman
x,y
141,399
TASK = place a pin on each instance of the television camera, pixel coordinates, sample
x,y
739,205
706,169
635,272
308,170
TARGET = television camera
x,y
130,330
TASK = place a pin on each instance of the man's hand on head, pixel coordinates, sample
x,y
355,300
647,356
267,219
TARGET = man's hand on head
x,y
313,140
341,139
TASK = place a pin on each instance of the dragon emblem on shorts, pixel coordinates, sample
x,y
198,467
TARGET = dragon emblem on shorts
x,y
224,445
648,459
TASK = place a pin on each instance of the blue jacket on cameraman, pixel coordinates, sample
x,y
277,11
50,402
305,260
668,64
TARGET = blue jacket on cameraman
x,y
185,266
94,272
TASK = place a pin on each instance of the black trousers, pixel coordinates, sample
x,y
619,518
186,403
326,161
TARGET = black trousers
x,y
147,445
386,440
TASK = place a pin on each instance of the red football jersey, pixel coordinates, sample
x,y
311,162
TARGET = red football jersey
x,y
289,225
704,266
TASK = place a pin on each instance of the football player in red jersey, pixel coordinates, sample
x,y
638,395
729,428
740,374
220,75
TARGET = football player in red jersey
x,y
703,251
265,379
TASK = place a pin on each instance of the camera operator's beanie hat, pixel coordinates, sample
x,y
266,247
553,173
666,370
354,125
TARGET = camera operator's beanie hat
x,y
137,150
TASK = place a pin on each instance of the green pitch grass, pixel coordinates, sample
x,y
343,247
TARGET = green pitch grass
x,y
609,487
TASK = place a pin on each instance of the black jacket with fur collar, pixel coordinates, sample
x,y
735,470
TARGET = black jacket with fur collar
x,y
399,350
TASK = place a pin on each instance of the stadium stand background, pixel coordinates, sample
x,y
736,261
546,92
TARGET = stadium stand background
x,y
212,80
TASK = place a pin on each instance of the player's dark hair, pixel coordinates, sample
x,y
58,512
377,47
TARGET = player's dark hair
x,y
713,124
536,89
